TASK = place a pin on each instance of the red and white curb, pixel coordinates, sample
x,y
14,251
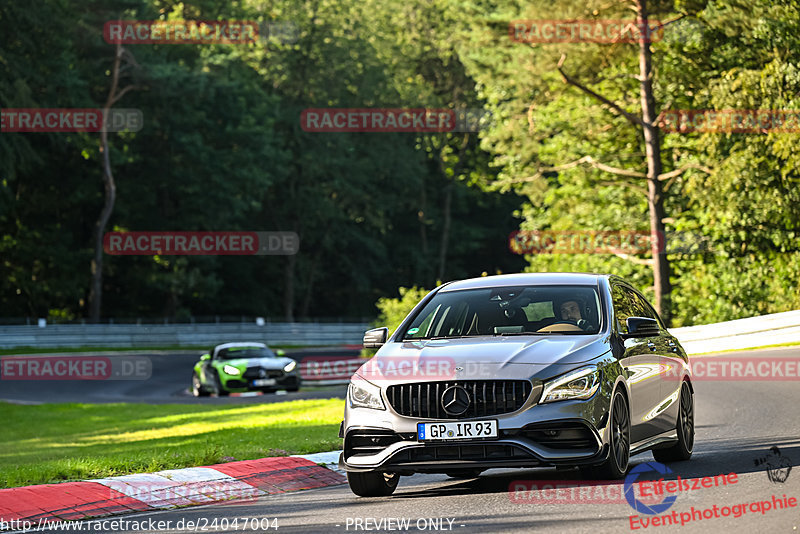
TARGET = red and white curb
x,y
325,459
229,482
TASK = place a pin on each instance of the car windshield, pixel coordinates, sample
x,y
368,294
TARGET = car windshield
x,y
508,311
233,353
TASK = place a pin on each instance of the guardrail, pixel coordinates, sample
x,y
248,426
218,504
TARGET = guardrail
x,y
738,334
748,333
197,334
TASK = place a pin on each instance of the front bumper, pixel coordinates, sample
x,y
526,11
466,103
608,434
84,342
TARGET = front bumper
x,y
564,433
519,448
241,384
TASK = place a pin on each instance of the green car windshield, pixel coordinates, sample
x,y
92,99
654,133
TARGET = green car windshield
x,y
234,353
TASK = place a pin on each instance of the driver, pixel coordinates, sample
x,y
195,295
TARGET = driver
x,y
570,310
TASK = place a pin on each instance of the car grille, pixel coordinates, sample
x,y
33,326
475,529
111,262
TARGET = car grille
x,y
462,453
487,397
255,372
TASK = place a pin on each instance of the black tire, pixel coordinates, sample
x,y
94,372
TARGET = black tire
x,y
685,427
292,389
198,389
373,483
466,473
219,390
619,453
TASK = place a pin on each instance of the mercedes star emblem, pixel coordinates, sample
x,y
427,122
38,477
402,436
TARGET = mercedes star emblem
x,y
455,400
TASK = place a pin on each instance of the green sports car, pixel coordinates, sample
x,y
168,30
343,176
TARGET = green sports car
x,y
242,367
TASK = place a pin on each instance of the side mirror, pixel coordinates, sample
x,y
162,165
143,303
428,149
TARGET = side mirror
x,y
641,327
205,357
375,338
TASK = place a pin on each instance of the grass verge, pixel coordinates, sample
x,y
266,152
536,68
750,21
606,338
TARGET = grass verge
x,y
60,442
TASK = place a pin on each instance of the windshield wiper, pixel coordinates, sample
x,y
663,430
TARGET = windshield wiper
x,y
442,337
519,334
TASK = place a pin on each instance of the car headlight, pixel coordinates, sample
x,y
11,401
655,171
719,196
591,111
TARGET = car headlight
x,y
579,384
231,370
290,366
362,394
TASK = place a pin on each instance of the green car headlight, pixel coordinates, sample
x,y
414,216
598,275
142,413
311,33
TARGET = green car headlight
x,y
290,367
579,384
231,370
362,394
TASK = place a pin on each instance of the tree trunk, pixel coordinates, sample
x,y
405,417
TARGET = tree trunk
x,y
447,219
288,290
448,203
96,291
655,198
421,269
96,287
312,272
309,288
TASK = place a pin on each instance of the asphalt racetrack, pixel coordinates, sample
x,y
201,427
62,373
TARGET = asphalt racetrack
x,y
737,425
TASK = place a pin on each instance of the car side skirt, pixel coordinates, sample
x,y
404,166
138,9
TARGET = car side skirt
x,y
658,441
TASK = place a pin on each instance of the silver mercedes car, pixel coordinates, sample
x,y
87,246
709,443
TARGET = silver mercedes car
x,y
520,370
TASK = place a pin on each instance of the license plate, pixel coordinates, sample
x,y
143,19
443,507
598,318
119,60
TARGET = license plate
x,y
260,382
456,431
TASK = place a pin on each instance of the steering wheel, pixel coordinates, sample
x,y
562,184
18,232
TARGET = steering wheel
x,y
585,326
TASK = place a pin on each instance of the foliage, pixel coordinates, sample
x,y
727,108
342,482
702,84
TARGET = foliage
x,y
222,149
392,311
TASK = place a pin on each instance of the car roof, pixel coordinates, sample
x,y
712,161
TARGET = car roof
x,y
241,344
527,279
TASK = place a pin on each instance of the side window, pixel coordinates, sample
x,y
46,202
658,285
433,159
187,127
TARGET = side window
x,y
625,305
643,309
648,310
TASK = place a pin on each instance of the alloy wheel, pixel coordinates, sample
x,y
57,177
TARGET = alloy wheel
x,y
621,432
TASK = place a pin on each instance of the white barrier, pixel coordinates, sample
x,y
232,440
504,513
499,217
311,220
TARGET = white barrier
x,y
196,334
746,333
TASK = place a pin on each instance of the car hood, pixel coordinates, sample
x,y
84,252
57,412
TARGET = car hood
x,y
486,357
265,363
